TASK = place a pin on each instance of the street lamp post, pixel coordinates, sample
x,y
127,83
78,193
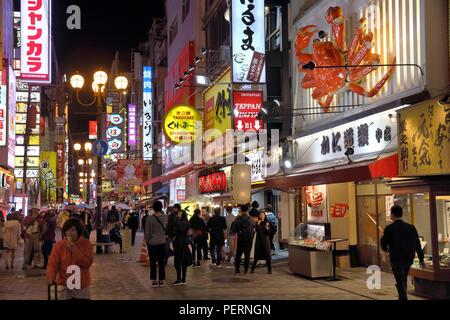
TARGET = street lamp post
x,y
98,87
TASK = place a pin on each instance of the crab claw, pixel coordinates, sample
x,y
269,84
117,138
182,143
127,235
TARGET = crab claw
x,y
302,42
335,15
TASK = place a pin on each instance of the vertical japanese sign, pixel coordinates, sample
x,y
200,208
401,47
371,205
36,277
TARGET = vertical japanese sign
x,y
148,113
217,102
248,105
60,173
249,45
48,175
11,118
424,139
3,116
114,133
316,199
92,130
35,33
132,125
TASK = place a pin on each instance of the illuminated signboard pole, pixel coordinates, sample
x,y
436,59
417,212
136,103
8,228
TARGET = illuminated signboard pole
x,y
27,137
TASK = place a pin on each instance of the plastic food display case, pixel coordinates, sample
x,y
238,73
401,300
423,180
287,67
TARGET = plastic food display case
x,y
309,252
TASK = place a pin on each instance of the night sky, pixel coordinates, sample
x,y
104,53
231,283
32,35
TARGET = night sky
x,y
106,27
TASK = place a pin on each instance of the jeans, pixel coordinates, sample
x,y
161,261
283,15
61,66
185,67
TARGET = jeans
x,y
244,246
205,247
47,247
271,236
216,253
157,257
197,246
401,270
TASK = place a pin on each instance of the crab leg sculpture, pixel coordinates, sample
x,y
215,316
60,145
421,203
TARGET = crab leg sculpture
x,y
326,82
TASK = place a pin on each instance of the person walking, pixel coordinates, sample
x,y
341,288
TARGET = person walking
x,y
205,217
133,225
198,230
156,238
11,238
48,235
116,237
182,254
402,242
62,218
231,243
31,235
262,244
273,220
73,250
244,229
217,227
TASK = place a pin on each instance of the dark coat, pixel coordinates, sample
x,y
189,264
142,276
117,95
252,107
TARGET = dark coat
x,y
217,226
182,254
133,221
262,243
198,225
402,242
244,228
171,225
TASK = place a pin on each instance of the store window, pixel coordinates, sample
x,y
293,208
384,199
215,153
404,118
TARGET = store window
x,y
273,28
374,202
443,227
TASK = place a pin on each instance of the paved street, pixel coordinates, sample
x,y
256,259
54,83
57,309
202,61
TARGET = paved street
x,y
114,278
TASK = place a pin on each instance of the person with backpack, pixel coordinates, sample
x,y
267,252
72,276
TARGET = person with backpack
x,y
156,238
244,228
273,220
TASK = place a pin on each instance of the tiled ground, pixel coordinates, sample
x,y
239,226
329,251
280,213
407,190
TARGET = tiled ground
x,y
115,278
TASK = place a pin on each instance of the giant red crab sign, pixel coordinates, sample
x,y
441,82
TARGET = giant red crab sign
x,y
326,74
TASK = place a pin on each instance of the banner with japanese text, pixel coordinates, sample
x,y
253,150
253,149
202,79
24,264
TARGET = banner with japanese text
x,y
424,139
36,44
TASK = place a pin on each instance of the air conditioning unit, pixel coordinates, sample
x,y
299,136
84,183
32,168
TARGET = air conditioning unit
x,y
225,53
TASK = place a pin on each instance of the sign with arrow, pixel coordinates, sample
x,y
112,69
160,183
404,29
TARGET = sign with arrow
x,y
247,106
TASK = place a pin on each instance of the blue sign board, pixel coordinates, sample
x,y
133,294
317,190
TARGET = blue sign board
x,y
100,148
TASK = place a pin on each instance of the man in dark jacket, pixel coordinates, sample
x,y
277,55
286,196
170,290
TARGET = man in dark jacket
x,y
402,242
198,227
133,224
244,228
217,226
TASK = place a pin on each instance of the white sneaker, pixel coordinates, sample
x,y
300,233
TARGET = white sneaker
x,y
212,265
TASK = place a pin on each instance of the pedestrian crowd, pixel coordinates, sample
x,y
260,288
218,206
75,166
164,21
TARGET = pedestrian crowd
x,y
190,241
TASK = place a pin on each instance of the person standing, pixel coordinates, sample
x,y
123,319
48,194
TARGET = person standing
x,y
205,217
73,250
273,220
402,242
217,227
244,229
31,235
116,237
133,225
182,254
156,238
48,235
11,233
262,244
198,230
143,220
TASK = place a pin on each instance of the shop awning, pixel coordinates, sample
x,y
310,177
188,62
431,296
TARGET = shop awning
x,y
376,168
181,171
152,181
164,189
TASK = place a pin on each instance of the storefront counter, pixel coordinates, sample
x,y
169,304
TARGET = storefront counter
x,y
310,262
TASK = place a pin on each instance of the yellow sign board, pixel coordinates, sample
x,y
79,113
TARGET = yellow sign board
x,y
424,140
48,175
217,103
189,207
182,123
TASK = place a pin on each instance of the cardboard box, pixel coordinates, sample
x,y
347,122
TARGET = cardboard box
x,y
343,262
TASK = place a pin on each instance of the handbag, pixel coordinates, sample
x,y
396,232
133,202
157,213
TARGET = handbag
x,y
169,251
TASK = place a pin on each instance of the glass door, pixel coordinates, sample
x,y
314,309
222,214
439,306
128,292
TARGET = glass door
x,y
367,230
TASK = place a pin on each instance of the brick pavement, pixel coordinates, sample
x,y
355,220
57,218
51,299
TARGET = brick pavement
x,y
117,279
